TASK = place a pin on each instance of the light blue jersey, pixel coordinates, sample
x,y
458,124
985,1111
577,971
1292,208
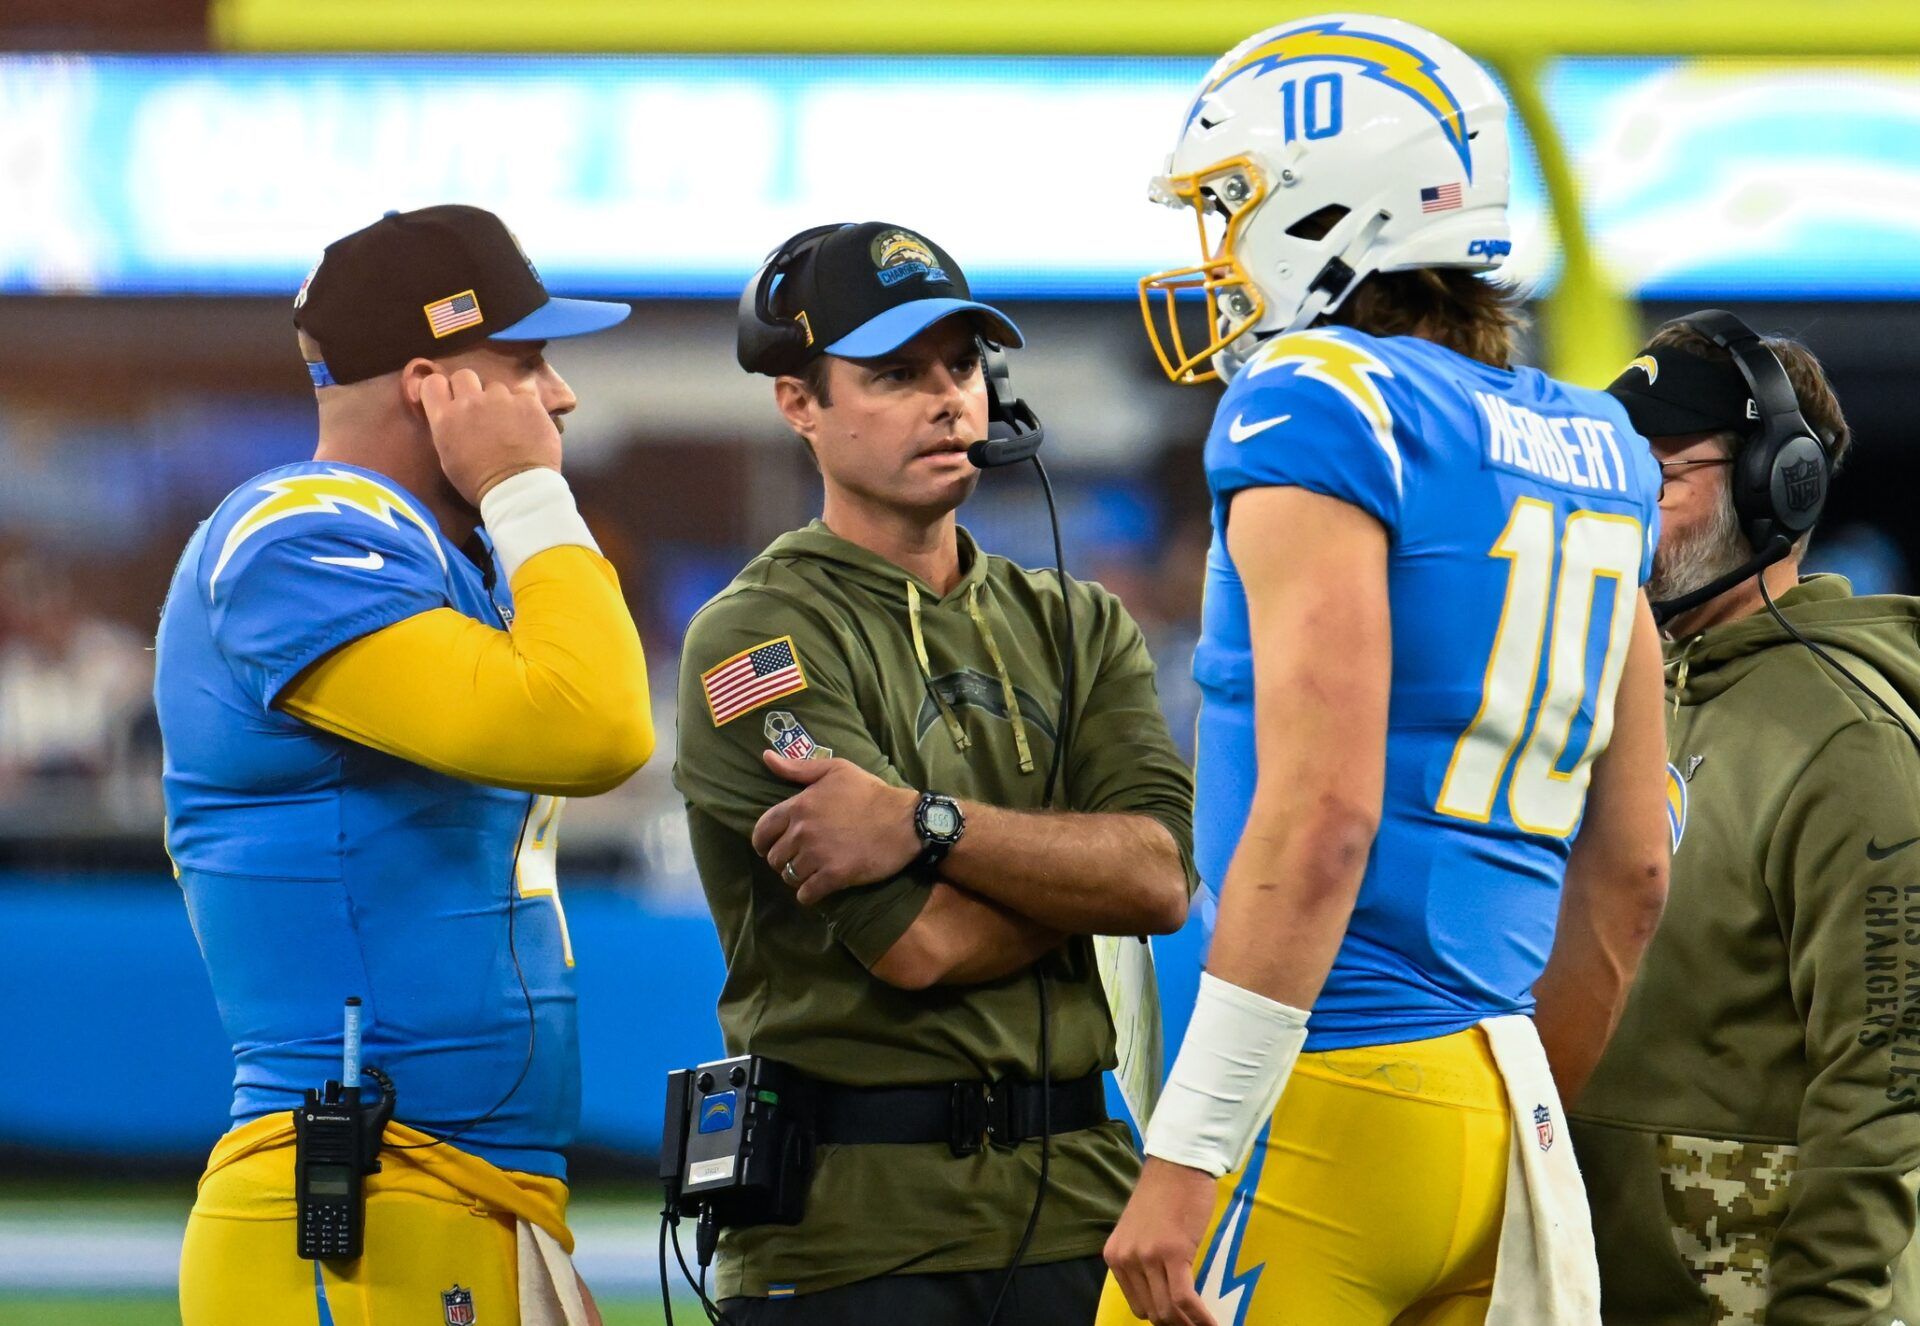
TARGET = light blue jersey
x,y
315,868
1521,514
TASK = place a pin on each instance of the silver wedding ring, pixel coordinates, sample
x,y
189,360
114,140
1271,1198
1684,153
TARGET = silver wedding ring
x,y
787,870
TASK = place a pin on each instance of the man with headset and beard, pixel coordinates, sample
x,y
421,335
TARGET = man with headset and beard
x,y
904,876
1749,1140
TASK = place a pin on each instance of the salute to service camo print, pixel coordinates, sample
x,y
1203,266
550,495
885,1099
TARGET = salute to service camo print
x,y
1724,1200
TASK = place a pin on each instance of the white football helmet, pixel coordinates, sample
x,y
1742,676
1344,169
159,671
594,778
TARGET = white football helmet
x,y
1397,135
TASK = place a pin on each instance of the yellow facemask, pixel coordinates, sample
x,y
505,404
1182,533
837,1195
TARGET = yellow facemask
x,y
1239,187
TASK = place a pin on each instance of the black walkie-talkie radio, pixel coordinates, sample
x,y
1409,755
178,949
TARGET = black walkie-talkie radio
x,y
336,1145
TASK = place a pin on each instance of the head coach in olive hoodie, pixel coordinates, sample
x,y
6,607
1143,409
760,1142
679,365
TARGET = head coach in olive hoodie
x,y
1750,1141
867,727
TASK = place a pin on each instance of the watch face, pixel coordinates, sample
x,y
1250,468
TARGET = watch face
x,y
942,820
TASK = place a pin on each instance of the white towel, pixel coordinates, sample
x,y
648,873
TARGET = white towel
x,y
549,1289
1133,998
1547,1274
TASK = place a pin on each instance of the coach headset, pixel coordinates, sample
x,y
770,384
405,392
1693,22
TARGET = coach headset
x,y
1780,476
1780,479
768,343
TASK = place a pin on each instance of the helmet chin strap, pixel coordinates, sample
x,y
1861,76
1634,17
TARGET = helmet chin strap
x,y
1325,292
1340,273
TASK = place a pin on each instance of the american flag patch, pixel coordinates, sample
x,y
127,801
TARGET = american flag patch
x,y
1440,198
751,678
447,316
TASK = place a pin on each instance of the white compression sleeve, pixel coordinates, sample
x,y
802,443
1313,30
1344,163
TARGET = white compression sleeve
x,y
1237,1055
530,513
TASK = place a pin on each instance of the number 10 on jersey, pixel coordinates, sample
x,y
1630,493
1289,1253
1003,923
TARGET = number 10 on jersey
x,y
1541,621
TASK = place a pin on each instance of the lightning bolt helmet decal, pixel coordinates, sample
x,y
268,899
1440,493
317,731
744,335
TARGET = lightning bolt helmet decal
x,y
1391,63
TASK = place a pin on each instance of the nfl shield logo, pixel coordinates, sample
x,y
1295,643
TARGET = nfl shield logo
x,y
457,1303
1803,484
789,737
1543,1125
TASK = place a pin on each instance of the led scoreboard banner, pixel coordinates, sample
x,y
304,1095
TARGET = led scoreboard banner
x,y
671,176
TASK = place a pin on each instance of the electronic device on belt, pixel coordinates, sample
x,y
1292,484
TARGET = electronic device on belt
x,y
336,1145
738,1144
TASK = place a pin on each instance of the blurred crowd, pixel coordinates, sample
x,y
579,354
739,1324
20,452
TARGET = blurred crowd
x,y
77,736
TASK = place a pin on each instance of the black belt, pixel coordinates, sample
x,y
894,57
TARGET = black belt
x,y
964,1115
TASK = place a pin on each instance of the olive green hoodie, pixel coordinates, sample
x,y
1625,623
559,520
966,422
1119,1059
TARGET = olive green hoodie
x,y
1750,1139
955,693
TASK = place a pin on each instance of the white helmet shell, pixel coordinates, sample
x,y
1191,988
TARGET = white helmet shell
x,y
1387,141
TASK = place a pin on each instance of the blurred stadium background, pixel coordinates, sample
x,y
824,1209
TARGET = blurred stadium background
x,y
170,169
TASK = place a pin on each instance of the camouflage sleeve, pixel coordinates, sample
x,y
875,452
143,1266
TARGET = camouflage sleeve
x,y
1843,864
1123,760
760,671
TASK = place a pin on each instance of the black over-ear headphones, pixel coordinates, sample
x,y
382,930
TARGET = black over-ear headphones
x,y
765,342
1780,475
1780,483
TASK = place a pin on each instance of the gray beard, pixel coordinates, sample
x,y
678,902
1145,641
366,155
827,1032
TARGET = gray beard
x,y
1680,566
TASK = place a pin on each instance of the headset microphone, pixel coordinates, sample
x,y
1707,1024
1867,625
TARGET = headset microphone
x,y
1780,481
1667,609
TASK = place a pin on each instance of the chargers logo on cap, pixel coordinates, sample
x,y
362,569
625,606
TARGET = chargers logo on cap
x,y
898,255
1646,364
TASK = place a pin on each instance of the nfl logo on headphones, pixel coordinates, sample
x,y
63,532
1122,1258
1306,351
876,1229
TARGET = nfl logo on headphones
x,y
1802,480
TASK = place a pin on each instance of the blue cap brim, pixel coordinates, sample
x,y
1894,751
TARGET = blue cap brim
x,y
886,332
558,319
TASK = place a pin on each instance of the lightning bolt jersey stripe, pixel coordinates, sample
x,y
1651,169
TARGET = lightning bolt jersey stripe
x,y
329,491
1477,474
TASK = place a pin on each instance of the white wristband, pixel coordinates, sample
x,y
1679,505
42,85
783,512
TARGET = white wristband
x,y
530,513
1237,1055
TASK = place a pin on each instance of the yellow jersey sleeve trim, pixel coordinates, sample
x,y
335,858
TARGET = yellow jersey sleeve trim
x,y
556,705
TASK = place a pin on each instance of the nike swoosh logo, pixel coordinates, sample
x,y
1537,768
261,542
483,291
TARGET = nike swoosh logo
x,y
373,561
1875,852
1240,430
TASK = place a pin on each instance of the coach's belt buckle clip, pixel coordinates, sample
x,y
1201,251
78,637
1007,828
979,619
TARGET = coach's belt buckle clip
x,y
979,1116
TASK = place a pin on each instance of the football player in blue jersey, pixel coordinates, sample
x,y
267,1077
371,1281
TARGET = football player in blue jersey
x,y
1431,761
379,671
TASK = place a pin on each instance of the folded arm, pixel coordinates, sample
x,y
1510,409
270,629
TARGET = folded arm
x,y
1078,874
959,939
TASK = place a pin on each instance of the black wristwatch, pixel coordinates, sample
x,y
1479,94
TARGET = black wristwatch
x,y
938,821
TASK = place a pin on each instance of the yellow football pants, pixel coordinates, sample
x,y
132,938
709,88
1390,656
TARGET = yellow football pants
x,y
1372,1198
440,1225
